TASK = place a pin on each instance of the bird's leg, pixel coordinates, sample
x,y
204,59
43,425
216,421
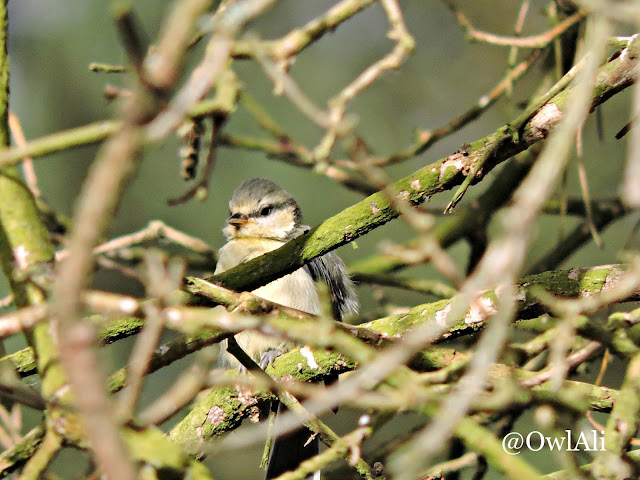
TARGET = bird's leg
x,y
268,357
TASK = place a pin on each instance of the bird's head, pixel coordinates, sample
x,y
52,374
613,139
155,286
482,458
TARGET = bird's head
x,y
261,209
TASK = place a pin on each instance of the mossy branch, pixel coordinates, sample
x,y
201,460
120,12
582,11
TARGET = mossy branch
x,y
572,283
224,409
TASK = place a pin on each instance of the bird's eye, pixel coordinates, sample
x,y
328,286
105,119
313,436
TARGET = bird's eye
x,y
266,210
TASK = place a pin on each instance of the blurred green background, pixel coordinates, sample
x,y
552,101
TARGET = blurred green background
x,y
52,43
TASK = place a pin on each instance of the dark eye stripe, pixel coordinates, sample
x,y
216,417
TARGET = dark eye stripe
x,y
280,206
272,207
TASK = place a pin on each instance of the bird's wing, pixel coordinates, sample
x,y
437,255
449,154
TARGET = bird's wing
x,y
331,269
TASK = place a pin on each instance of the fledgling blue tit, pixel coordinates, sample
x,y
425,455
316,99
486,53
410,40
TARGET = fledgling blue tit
x,y
263,217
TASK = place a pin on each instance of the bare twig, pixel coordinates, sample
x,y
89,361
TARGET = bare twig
x,y
630,187
522,14
156,230
584,187
180,393
27,162
94,133
427,138
299,39
285,84
6,302
438,289
298,155
337,105
465,461
146,343
12,422
22,319
131,36
162,65
534,41
573,360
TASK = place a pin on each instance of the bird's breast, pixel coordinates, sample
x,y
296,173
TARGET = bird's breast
x,y
296,290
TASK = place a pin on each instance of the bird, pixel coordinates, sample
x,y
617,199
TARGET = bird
x,y
262,217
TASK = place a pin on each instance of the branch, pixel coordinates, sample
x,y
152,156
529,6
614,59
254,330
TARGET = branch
x,y
604,213
224,408
19,454
534,41
297,40
98,132
405,44
622,425
467,219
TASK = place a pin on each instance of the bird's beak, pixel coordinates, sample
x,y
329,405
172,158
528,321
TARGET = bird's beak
x,y
237,220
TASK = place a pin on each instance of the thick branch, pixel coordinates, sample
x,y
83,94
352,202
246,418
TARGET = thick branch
x,y
224,409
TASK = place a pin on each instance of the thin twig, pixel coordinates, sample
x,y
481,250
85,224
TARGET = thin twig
x,y
22,319
584,187
337,105
180,393
298,155
465,461
630,189
297,40
285,84
522,14
573,360
140,360
162,64
13,424
155,230
94,133
431,287
27,162
533,41
132,37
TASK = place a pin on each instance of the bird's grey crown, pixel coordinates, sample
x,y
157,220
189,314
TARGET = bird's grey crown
x,y
255,190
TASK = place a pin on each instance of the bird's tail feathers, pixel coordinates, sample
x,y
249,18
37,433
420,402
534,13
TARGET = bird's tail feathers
x,y
290,450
